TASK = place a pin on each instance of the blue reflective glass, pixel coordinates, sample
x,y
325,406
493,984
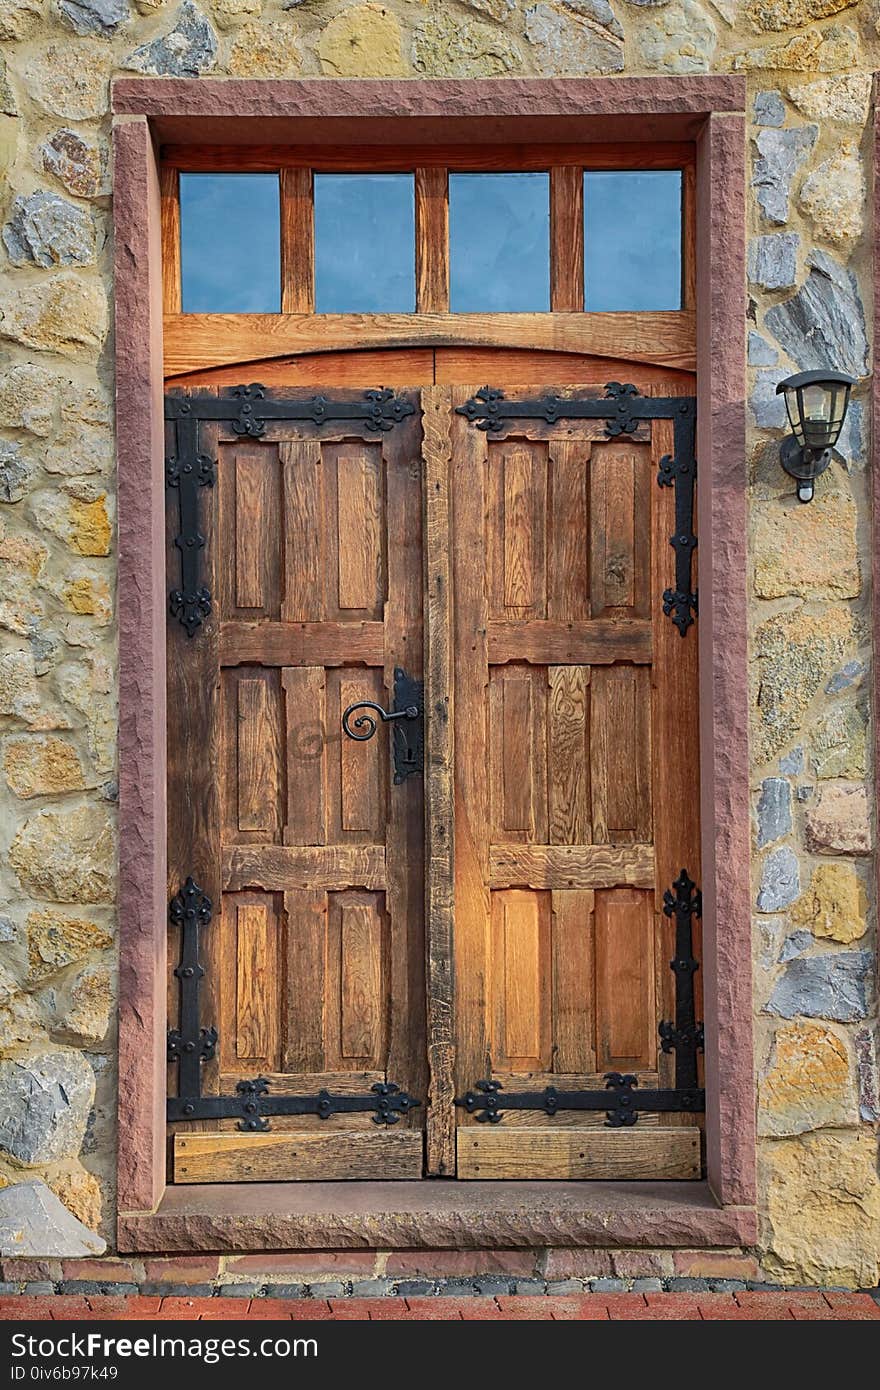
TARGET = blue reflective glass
x,y
365,244
230,243
499,243
632,240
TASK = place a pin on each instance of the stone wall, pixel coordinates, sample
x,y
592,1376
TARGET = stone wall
x,y
809,65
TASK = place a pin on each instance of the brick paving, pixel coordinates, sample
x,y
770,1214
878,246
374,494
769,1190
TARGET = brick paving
x,y
747,1305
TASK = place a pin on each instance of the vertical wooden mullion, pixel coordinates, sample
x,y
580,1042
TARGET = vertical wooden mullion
x,y
688,238
439,800
404,825
567,238
169,193
432,241
471,672
297,242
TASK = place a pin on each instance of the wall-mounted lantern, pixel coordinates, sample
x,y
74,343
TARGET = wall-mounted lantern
x,y
817,403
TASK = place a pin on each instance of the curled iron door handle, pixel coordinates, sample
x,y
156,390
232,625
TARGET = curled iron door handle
x,y
367,722
408,740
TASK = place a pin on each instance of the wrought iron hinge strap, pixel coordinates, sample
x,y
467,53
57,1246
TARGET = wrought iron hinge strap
x,y
622,1100
189,1044
247,410
253,1105
623,410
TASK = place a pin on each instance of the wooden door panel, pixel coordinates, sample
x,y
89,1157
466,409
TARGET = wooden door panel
x,y
314,967
563,852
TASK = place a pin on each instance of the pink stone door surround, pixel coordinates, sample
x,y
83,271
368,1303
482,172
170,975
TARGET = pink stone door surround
x,y
709,111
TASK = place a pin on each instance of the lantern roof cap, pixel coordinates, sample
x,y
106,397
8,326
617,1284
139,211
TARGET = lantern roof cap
x,y
791,383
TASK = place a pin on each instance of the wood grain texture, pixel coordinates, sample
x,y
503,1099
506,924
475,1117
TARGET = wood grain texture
x,y
626,1032
303,496
573,983
297,242
169,194
300,1157
439,799
432,240
305,709
620,755
302,644
520,1035
258,762
256,1034
193,342
567,238
493,1152
306,911
570,866
397,157
568,771
596,643
282,867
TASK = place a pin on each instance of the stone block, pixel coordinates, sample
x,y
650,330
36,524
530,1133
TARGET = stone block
x,y
445,45
41,765
781,153
45,1101
566,42
363,41
838,823
780,880
189,49
832,985
774,811
823,325
806,1082
772,260
34,1222
835,905
66,855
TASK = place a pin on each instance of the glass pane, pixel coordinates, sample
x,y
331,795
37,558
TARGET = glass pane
x,y
499,243
230,243
632,240
365,244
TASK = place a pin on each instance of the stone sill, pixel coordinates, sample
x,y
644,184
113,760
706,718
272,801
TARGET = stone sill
x,y
435,1214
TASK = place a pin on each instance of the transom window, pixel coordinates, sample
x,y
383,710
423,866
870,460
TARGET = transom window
x,y
595,234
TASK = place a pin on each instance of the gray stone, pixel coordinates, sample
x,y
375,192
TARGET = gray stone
x,y
654,4
804,793
774,810
8,929
823,325
832,985
371,1288
727,1285
647,1285
780,880
187,50
33,1222
565,1286
795,945
780,154
761,353
298,1290
792,764
47,230
769,109
491,1284
773,260
528,1288
456,1288
767,408
162,1290
44,1104
851,444
608,1285
239,1290
686,1284
15,472
94,16
844,678
416,1288
575,38
328,1288
40,1286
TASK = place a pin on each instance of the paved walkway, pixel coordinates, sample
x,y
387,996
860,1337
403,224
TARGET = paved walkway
x,y
804,1306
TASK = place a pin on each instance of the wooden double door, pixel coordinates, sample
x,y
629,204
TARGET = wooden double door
x,y
379,956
